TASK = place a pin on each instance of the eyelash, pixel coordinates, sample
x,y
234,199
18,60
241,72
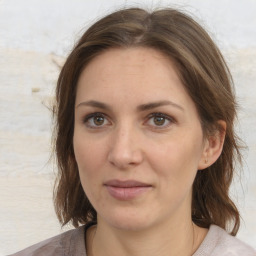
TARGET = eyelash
x,y
93,115
152,115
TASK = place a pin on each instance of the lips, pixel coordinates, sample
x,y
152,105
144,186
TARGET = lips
x,y
126,190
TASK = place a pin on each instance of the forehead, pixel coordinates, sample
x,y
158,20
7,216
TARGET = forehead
x,y
140,73
136,62
140,58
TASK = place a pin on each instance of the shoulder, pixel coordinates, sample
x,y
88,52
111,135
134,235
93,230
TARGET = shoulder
x,y
219,243
66,244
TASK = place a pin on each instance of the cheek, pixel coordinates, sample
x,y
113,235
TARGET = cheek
x,y
86,166
88,162
176,161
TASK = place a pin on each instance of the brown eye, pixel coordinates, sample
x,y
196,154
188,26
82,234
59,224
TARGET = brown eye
x,y
98,120
159,121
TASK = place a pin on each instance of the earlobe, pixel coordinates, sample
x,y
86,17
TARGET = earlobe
x,y
213,146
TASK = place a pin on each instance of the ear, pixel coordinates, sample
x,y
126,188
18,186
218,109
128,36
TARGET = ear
x,y
213,146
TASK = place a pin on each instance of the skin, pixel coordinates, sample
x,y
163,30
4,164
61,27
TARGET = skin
x,y
128,142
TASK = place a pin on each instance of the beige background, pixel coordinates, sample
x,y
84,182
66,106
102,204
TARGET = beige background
x,y
35,37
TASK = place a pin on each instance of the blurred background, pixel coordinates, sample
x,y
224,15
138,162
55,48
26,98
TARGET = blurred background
x,y
35,38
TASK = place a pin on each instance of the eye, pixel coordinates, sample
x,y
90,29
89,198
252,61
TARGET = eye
x,y
160,120
96,120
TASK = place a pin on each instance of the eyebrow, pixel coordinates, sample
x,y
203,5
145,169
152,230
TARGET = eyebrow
x,y
140,108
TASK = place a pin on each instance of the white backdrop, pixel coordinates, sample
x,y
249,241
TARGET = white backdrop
x,y
35,37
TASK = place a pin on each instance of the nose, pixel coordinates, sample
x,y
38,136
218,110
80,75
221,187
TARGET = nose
x,y
125,149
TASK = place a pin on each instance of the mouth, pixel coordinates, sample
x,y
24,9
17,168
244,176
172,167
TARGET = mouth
x,y
126,190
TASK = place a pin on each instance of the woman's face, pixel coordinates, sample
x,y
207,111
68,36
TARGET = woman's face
x,y
137,140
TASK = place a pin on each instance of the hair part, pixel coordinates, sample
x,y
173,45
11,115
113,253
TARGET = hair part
x,y
206,78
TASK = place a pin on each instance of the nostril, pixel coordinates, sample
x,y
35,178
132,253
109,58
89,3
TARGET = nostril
x,y
125,159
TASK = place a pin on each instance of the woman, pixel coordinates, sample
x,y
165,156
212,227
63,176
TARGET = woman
x,y
145,141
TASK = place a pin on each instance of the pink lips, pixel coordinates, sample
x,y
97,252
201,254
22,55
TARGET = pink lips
x,y
126,190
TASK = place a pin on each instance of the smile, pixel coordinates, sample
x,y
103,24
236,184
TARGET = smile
x,y
126,190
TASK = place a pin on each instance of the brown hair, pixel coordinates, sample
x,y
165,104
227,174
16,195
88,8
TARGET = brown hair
x,y
207,80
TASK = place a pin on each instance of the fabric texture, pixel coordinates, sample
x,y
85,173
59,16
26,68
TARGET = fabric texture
x,y
219,243
71,243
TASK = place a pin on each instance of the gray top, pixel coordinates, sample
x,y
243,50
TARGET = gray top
x,y
71,243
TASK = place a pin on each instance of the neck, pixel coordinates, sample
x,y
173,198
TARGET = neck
x,y
173,240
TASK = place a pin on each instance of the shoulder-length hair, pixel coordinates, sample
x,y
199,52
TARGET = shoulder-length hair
x,y
206,78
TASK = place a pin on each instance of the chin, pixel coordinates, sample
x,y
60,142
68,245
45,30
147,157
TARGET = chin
x,y
129,220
